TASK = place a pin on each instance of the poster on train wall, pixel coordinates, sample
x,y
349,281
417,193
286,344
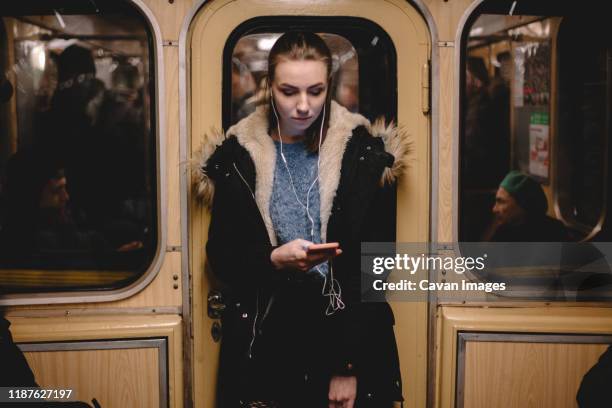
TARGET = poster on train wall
x,y
539,146
532,74
536,88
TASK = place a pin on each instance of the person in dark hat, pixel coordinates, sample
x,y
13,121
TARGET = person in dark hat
x,y
77,87
86,124
66,130
520,212
75,61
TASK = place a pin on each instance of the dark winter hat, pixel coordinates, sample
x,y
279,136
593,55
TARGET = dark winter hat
x,y
526,191
73,61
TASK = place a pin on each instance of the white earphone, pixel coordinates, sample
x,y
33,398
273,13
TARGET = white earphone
x,y
305,207
335,295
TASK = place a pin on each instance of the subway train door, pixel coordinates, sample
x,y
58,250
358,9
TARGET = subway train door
x,y
381,51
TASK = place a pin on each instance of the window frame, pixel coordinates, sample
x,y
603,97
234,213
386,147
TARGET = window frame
x,y
468,19
542,11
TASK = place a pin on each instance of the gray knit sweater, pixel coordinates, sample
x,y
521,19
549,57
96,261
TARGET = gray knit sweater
x,y
288,215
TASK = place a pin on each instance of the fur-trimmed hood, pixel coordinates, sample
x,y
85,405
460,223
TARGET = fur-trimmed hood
x,y
252,134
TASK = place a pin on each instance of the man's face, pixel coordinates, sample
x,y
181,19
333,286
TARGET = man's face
x,y
506,209
54,194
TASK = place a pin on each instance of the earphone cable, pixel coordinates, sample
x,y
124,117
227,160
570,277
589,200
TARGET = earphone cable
x,y
335,296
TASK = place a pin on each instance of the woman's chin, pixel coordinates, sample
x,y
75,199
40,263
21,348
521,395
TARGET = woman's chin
x,y
301,124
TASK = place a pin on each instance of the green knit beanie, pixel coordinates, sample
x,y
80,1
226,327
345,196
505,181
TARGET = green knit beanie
x,y
526,191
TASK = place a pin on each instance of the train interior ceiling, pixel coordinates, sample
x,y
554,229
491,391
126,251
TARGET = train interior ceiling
x,y
77,157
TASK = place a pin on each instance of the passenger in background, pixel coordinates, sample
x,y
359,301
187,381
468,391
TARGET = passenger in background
x,y
39,219
487,116
486,146
347,91
478,125
244,90
66,130
86,126
520,213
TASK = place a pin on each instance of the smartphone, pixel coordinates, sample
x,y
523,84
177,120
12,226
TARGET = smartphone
x,y
327,247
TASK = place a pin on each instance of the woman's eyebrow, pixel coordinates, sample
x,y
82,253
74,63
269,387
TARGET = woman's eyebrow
x,y
286,85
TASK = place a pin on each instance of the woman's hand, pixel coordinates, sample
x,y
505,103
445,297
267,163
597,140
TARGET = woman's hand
x,y
295,255
342,392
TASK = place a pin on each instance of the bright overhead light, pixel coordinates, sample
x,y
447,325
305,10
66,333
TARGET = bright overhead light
x,y
38,57
60,44
476,31
266,44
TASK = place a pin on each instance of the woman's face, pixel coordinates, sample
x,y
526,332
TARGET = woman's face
x,y
299,89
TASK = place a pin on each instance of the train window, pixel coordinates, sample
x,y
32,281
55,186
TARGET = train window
x,y
78,195
360,49
536,99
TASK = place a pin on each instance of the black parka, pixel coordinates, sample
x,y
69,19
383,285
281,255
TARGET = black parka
x,y
278,342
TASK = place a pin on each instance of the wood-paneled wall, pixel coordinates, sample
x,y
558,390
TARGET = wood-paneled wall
x,y
115,378
526,375
507,369
93,373
446,16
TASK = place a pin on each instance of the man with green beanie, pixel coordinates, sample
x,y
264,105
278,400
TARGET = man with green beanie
x,y
520,212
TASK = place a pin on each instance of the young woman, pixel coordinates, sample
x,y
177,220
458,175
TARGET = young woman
x,y
299,171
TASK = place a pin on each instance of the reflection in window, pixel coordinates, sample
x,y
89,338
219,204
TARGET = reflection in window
x,y
360,49
535,102
536,105
77,186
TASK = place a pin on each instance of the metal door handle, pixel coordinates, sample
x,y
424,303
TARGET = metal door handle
x,y
216,305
